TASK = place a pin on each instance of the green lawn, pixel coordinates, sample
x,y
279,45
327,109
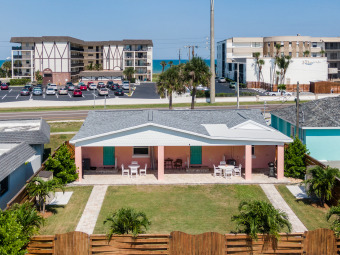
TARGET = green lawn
x,y
312,216
65,126
66,217
193,209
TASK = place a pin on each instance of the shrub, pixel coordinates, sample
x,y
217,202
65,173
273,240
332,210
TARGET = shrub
x,y
335,226
133,80
202,93
62,165
260,217
243,85
19,81
126,221
249,94
225,94
295,165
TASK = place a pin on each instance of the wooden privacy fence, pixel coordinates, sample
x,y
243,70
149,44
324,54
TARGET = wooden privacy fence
x,y
22,195
317,242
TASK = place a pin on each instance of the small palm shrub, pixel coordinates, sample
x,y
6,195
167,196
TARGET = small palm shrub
x,y
260,217
335,225
321,183
127,221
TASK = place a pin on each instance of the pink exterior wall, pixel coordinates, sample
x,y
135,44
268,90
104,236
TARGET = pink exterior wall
x,y
280,161
177,152
78,161
160,153
95,154
263,155
248,162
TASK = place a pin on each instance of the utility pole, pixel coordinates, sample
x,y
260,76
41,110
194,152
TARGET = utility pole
x,y
212,53
179,56
187,46
238,86
297,109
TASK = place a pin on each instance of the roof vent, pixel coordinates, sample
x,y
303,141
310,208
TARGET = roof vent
x,y
150,115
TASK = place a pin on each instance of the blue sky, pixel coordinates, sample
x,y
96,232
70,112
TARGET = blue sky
x,y
171,24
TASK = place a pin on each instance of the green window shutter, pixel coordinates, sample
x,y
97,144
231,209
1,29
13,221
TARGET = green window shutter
x,y
196,155
108,156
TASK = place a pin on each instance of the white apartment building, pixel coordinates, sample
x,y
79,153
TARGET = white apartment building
x,y
61,58
236,48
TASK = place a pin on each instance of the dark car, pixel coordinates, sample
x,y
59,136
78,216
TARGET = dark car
x,y
119,92
4,86
109,84
25,92
100,85
29,87
115,86
77,93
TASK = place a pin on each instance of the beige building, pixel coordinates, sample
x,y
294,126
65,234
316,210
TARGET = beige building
x,y
230,50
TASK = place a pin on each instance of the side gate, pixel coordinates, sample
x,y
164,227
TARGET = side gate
x,y
71,243
320,241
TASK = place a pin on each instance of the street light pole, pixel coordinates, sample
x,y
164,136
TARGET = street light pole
x,y
238,86
212,53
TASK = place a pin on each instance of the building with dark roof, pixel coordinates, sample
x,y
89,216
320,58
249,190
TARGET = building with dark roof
x,y
319,126
195,137
21,151
62,58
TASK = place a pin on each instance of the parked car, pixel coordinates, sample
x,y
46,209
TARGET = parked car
x,y
70,87
50,91
63,91
25,92
222,80
69,83
103,92
39,86
54,86
201,87
82,86
100,85
92,86
125,85
109,84
279,93
89,83
77,93
37,91
28,87
232,84
119,92
4,86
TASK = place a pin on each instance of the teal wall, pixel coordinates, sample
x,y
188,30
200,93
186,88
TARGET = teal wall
x,y
323,144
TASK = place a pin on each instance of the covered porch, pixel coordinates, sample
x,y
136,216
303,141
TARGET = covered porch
x,y
197,163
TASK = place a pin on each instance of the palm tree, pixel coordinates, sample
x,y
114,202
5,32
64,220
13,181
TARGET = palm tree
x,y
126,221
28,217
196,72
171,81
306,53
321,183
7,66
260,217
322,52
129,72
278,48
89,67
170,63
283,63
259,62
163,64
334,210
42,189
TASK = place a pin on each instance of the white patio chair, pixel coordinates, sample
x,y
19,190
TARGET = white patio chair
x,y
134,162
134,170
223,163
237,170
125,171
228,173
143,170
217,171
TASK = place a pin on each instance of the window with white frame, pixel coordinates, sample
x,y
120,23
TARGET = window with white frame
x,y
140,152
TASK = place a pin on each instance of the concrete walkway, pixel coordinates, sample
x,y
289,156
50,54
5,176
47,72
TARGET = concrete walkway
x,y
64,133
279,203
89,217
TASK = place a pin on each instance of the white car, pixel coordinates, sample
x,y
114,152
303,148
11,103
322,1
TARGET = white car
x,y
92,86
54,86
222,80
201,87
125,85
50,91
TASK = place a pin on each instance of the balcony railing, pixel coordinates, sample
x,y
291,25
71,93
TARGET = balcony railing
x,y
77,49
17,56
77,56
77,64
16,48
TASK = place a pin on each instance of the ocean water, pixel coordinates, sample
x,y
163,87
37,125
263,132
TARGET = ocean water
x,y
157,68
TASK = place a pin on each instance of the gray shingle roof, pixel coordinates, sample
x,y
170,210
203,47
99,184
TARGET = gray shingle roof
x,y
99,122
22,132
317,113
14,157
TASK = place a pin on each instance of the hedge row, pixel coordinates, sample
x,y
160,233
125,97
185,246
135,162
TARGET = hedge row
x,y
19,81
202,94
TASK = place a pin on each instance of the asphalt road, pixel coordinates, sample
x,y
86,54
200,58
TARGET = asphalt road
x,y
82,114
144,90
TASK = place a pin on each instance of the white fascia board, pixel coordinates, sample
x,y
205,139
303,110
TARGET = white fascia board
x,y
320,127
244,124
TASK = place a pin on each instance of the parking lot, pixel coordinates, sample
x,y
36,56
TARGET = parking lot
x,y
144,90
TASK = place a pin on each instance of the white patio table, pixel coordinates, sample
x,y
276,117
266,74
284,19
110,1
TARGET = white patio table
x,y
227,169
134,168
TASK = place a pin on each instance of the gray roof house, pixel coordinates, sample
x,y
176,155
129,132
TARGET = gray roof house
x,y
21,150
319,126
196,137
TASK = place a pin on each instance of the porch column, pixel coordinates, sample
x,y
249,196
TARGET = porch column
x,y
78,160
280,161
248,162
160,163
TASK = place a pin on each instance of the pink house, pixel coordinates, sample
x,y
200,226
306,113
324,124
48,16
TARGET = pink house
x,y
196,138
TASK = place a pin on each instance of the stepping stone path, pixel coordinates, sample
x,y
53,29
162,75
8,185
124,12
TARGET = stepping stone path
x,y
279,203
89,217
